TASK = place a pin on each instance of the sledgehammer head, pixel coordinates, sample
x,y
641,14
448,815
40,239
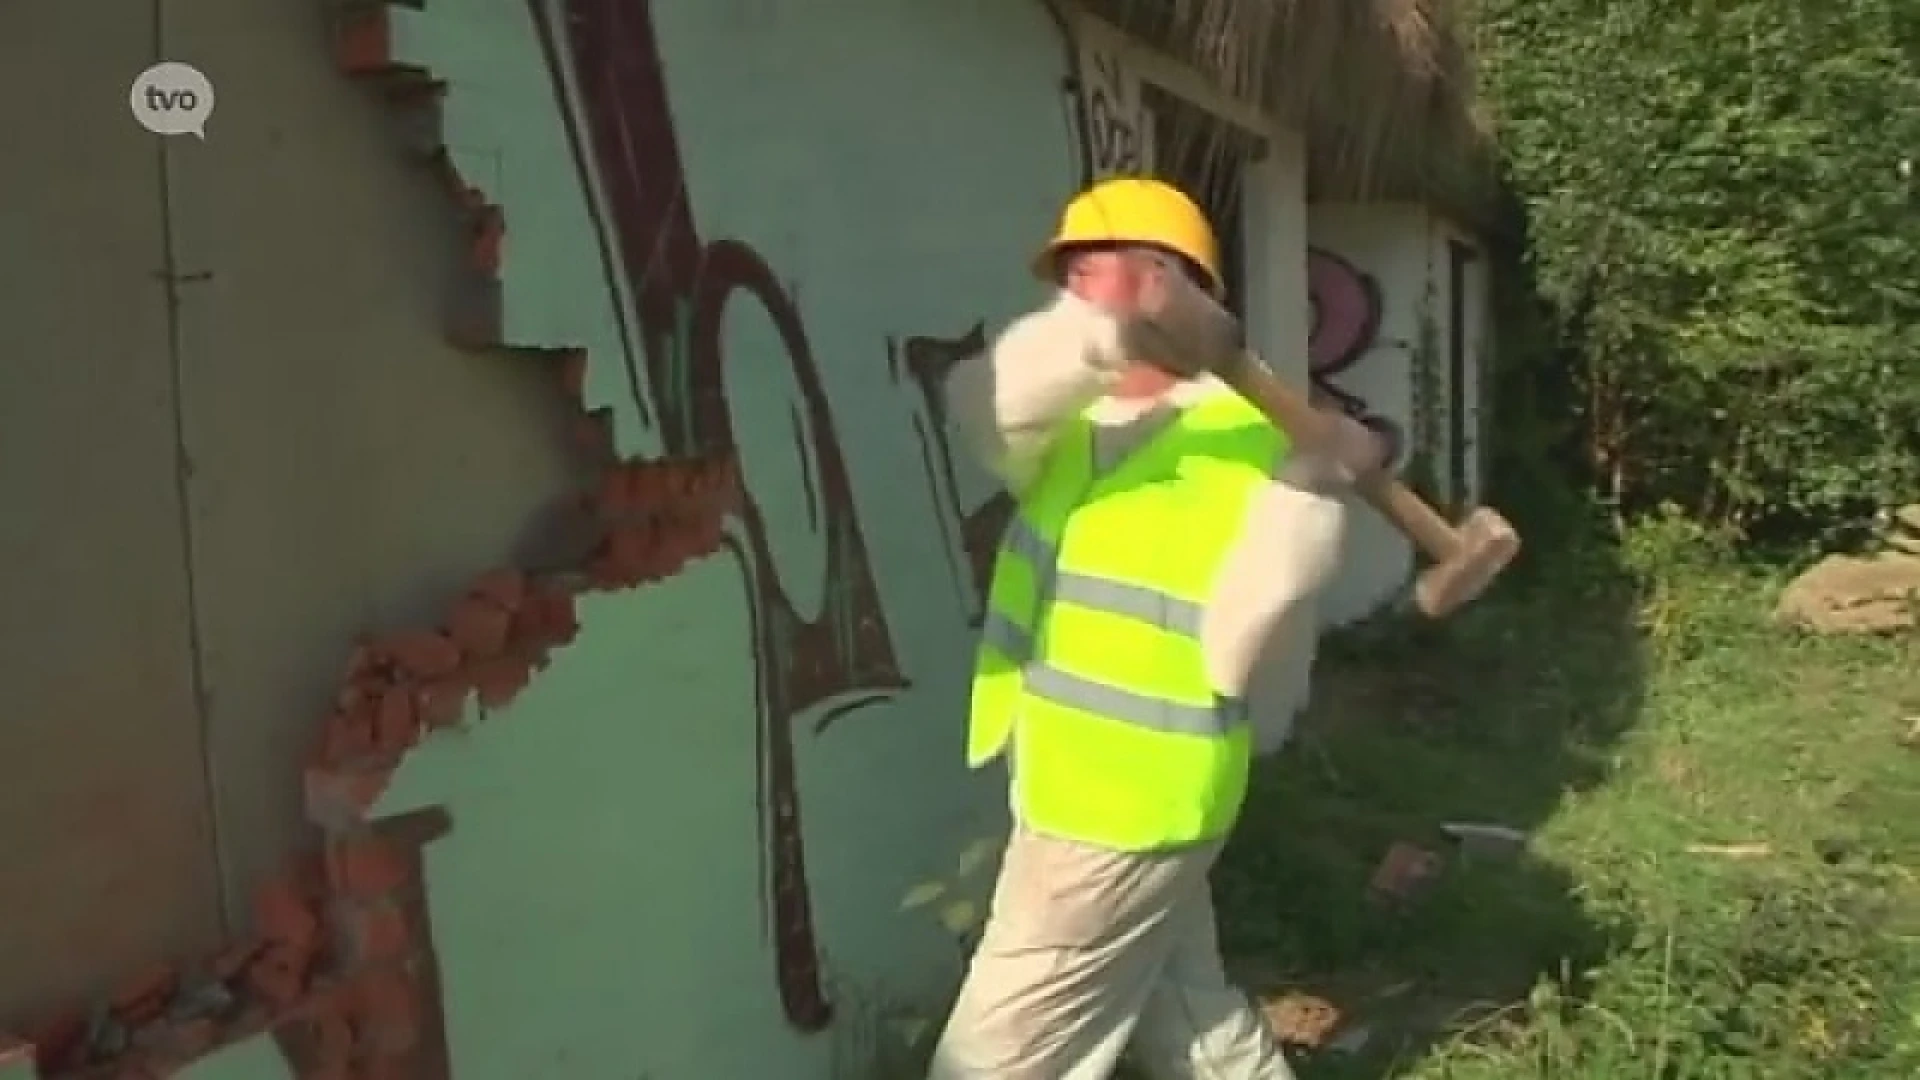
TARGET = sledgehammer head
x,y
1487,543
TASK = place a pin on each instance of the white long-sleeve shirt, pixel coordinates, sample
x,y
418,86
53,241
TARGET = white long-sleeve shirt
x,y
1259,630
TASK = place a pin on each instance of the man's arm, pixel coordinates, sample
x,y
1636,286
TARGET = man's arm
x,y
1261,627
1287,552
1010,400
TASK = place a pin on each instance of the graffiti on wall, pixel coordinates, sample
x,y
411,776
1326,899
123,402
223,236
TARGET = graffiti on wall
x,y
1345,308
972,526
343,974
1118,126
622,132
1116,137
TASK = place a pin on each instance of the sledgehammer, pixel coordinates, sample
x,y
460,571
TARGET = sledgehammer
x,y
1465,560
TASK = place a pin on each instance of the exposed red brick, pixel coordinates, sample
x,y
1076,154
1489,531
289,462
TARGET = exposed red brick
x,y
606,574
497,680
480,628
285,916
331,1040
350,734
397,726
678,546
559,613
424,654
279,974
547,619
351,695
338,795
361,662
726,484
506,587
388,1011
442,702
660,515
365,865
635,549
705,534
373,930
649,486
614,497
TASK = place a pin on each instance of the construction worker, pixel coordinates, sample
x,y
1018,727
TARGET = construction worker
x,y
1167,542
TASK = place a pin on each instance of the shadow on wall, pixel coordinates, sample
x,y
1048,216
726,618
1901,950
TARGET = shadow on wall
x,y
1491,718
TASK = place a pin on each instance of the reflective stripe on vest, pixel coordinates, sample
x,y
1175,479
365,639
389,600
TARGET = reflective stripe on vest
x,y
1170,613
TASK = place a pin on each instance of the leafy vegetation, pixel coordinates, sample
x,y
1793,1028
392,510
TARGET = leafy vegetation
x,y
1722,204
1710,359
1722,879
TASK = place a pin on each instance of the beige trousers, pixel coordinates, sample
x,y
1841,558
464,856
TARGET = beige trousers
x,y
1089,953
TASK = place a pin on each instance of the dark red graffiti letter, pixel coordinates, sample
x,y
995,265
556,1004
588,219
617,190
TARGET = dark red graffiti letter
x,y
629,144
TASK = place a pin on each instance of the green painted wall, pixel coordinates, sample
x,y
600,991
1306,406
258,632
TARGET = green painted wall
x,y
600,907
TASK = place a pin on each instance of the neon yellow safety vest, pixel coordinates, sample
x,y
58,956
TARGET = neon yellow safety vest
x,y
1090,659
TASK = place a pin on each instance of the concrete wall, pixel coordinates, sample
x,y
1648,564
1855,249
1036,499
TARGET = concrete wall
x,y
208,500
725,831
104,794
1378,273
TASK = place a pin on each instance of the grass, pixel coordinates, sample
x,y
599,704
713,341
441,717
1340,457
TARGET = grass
x,y
1722,881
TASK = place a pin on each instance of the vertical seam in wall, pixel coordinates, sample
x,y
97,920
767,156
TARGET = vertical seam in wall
x,y
183,492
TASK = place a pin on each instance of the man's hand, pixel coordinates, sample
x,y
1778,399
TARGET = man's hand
x,y
1177,326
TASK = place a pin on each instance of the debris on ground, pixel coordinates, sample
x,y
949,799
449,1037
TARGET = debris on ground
x,y
1847,594
1302,1020
1732,851
1405,872
1486,841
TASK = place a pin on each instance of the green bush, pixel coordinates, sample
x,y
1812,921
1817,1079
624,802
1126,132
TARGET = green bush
x,y
1723,225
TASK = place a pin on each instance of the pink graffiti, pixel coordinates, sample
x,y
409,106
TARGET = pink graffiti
x,y
1345,306
1346,312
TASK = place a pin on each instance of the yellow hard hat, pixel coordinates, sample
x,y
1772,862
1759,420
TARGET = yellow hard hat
x,y
1134,210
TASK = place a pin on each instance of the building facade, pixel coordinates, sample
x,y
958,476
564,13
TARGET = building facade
x,y
1400,329
493,589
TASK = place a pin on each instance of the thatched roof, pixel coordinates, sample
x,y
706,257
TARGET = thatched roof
x,y
1383,89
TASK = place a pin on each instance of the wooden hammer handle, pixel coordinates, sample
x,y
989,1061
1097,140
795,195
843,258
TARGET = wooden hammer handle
x,y
1291,412
1434,535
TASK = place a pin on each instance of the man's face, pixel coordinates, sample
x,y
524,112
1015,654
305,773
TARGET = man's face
x,y
1108,278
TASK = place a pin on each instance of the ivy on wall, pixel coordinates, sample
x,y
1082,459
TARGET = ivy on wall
x,y
1427,408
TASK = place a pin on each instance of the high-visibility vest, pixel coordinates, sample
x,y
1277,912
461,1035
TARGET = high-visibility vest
x,y
1090,660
